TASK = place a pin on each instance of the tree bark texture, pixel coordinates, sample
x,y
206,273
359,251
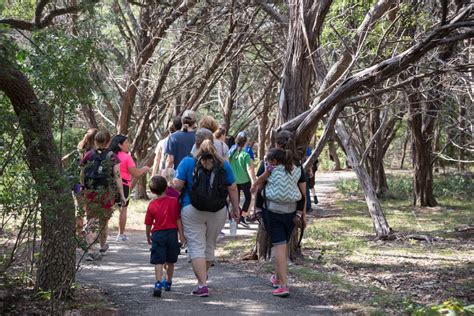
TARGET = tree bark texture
x,y
299,66
381,227
56,268
421,151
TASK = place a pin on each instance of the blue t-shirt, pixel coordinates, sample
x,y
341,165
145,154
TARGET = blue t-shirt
x,y
249,150
185,173
179,145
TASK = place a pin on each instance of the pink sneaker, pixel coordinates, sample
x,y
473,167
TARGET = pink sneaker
x,y
281,292
274,280
201,291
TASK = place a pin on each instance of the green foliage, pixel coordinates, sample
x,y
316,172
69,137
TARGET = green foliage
x,y
452,307
22,9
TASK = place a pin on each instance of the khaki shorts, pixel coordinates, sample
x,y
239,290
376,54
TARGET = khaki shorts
x,y
201,230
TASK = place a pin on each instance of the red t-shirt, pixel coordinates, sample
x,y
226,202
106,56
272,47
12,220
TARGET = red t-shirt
x,y
162,213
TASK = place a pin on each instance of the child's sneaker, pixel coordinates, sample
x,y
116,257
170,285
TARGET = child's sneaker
x,y
157,289
201,291
274,280
281,292
166,285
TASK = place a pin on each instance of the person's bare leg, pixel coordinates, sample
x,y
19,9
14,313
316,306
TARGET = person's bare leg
x,y
169,272
281,264
122,220
104,230
158,272
200,270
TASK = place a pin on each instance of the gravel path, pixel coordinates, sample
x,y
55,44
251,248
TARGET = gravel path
x,y
127,277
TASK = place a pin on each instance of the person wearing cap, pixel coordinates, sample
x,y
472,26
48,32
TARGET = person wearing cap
x,y
181,142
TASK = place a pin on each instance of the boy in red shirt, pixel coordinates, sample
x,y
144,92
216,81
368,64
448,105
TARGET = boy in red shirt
x,y
163,215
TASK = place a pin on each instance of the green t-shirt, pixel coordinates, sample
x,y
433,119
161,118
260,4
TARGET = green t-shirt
x,y
239,161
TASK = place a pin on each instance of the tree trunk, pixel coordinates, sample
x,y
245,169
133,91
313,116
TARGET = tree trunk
x,y
375,157
381,227
56,269
230,99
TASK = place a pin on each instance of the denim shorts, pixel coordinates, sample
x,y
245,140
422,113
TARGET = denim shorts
x,y
280,227
164,247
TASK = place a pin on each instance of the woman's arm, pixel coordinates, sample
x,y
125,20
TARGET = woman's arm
x,y
137,172
82,176
251,171
302,203
234,200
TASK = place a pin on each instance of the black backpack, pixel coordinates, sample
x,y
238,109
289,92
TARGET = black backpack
x,y
98,170
209,189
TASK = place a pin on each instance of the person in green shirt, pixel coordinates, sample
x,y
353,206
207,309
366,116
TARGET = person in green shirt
x,y
244,172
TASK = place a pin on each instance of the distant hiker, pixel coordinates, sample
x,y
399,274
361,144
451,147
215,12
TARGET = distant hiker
x,y
163,229
119,146
222,148
181,142
244,172
311,180
100,180
159,163
205,181
169,174
208,122
275,216
249,149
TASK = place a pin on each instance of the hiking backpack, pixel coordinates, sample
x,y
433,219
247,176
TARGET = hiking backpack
x,y
209,189
98,170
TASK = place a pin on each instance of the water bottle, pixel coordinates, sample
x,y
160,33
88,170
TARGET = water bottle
x,y
233,227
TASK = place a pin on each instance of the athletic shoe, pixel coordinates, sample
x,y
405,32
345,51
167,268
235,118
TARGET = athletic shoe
x,y
166,285
103,251
89,257
281,292
243,222
274,281
122,237
201,291
157,289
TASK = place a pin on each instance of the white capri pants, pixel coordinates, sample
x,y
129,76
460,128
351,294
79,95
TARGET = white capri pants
x,y
201,230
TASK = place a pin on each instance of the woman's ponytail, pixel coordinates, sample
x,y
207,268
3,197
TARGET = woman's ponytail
x,y
288,161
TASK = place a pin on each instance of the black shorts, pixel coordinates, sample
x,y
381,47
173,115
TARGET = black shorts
x,y
126,193
165,246
280,227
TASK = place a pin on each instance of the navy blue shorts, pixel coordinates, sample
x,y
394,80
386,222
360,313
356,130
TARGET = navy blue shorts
x,y
164,247
280,227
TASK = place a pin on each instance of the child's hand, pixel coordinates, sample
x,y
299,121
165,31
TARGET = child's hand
x,y
183,241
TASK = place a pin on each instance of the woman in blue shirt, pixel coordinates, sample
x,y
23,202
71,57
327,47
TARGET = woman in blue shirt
x,y
201,226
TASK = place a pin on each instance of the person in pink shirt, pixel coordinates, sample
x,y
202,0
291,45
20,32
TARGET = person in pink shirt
x,y
120,145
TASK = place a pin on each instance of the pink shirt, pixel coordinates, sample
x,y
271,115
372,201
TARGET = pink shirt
x,y
126,162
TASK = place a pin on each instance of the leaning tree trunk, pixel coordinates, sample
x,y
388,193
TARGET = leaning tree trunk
x,y
381,227
56,269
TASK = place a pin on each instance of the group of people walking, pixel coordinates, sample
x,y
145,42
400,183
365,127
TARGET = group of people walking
x,y
197,179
